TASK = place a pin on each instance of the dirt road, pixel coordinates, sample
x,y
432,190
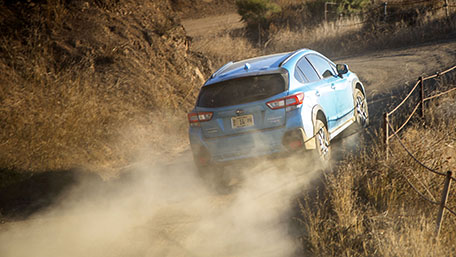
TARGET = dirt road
x,y
212,25
387,72
382,71
165,210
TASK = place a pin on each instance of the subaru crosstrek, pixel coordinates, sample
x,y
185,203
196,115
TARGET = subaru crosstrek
x,y
279,103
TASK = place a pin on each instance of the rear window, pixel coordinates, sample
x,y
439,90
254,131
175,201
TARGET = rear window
x,y
242,90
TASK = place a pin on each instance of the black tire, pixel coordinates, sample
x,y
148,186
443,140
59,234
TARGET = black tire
x,y
323,150
361,109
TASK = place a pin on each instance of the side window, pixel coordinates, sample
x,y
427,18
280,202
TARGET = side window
x,y
300,76
307,69
322,66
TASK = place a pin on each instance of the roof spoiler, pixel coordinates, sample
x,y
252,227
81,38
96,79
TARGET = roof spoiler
x,y
215,74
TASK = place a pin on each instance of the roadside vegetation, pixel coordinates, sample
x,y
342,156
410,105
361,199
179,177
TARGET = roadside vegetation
x,y
367,207
92,84
96,85
351,27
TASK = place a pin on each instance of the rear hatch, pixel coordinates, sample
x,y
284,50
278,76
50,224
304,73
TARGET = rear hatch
x,y
239,105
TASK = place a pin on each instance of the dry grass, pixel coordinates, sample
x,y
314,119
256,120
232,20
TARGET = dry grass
x,y
223,48
351,35
320,37
367,208
118,86
92,85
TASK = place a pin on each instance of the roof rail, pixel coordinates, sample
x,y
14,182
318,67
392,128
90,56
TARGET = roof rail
x,y
215,74
291,55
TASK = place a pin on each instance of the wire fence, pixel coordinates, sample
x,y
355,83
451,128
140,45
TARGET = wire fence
x,y
390,133
383,10
387,12
420,104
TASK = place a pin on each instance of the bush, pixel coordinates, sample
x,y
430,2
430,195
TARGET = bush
x,y
351,6
256,13
367,207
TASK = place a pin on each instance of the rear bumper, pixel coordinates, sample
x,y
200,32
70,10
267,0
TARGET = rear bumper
x,y
249,145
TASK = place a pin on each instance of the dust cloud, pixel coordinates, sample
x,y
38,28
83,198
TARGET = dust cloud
x,y
167,210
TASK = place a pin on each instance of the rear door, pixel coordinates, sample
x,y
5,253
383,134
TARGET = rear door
x,y
239,105
333,85
322,90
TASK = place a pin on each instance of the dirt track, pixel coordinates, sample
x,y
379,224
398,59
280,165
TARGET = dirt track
x,y
387,72
165,211
212,25
383,71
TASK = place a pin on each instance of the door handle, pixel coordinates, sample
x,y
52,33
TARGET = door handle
x,y
333,86
317,93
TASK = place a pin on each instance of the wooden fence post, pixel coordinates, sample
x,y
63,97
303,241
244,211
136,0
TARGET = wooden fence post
x,y
446,10
422,96
326,9
385,12
386,133
446,190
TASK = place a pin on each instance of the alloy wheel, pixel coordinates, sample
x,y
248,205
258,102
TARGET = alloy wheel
x,y
323,142
361,110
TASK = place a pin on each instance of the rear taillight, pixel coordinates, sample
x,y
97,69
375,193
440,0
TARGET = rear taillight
x,y
291,101
194,118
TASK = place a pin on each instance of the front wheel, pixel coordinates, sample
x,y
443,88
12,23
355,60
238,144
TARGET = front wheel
x,y
361,111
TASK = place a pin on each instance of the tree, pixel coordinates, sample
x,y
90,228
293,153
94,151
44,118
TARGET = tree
x,y
256,12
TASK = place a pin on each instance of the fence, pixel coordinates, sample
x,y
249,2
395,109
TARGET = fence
x,y
390,132
383,9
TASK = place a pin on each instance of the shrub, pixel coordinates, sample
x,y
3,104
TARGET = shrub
x,y
256,13
351,6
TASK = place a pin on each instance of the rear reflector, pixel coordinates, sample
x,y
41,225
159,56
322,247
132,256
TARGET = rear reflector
x,y
293,145
203,160
195,117
288,101
201,156
294,139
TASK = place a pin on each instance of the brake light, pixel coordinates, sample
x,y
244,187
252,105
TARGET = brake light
x,y
289,101
195,117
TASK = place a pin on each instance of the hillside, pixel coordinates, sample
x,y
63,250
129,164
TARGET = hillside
x,y
104,86
79,77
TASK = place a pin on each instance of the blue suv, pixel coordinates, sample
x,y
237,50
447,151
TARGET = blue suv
x,y
280,103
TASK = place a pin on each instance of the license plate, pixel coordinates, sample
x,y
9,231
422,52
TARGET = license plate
x,y
242,121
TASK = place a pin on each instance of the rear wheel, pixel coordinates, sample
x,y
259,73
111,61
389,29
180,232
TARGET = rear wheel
x,y
361,111
322,142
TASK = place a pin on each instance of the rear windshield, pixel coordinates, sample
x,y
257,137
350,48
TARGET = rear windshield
x,y
241,90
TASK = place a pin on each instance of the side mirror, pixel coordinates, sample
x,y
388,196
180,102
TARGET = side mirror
x,y
341,69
